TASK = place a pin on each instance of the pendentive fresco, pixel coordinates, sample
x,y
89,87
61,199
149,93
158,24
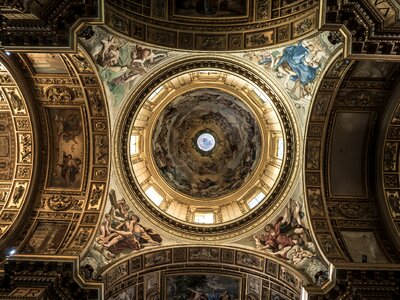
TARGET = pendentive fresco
x,y
288,237
120,233
297,67
120,63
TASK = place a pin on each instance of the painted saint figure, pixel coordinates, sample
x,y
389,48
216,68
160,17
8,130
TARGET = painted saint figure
x,y
299,63
70,168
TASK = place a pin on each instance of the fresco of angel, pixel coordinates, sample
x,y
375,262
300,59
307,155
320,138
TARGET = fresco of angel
x,y
289,239
121,230
120,63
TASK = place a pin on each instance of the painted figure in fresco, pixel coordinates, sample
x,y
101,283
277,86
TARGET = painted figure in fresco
x,y
128,231
299,63
142,55
109,54
196,295
119,63
268,59
70,127
119,209
105,228
70,168
282,236
288,238
213,295
296,254
121,229
225,296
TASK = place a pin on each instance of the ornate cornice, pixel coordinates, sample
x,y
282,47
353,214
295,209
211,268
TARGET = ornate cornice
x,y
260,23
46,26
370,28
362,283
40,278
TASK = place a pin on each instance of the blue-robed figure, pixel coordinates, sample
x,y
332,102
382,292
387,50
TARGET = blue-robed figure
x,y
296,58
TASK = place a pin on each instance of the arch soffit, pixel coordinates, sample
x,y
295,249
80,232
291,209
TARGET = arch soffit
x,y
342,90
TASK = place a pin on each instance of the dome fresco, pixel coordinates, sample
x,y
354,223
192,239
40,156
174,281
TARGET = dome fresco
x,y
207,146
211,114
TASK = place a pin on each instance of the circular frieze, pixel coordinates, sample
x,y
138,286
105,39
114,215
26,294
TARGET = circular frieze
x,y
207,149
202,169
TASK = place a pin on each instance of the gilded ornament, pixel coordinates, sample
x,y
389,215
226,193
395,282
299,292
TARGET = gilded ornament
x,y
101,152
96,103
6,79
23,124
96,195
23,172
100,126
81,62
18,193
60,202
15,100
59,94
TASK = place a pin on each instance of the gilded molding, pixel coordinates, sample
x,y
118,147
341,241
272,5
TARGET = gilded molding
x,y
256,24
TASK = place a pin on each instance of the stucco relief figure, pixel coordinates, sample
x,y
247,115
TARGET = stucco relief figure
x,y
289,239
121,230
19,191
120,63
15,101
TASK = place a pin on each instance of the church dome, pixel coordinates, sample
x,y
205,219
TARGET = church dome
x,y
206,148
206,143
